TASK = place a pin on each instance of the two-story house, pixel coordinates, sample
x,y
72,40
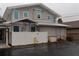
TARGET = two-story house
x,y
34,18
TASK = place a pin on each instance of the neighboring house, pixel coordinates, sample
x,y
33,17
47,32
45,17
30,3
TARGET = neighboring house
x,y
73,30
33,18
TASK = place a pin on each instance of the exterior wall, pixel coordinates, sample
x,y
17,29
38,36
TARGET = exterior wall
x,y
23,26
73,30
32,14
57,32
73,34
25,38
45,15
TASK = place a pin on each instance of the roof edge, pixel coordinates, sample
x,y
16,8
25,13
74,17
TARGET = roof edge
x,y
28,5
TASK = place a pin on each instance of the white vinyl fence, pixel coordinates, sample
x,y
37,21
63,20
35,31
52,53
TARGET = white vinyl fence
x,y
25,38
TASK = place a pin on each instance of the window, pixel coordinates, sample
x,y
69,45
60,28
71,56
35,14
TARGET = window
x,y
16,28
33,28
25,13
38,16
38,13
16,14
52,18
49,17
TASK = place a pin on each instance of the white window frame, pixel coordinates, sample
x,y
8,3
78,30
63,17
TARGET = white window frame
x,y
18,26
52,18
24,11
40,13
14,14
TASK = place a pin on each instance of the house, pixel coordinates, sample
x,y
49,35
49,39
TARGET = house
x,y
73,30
24,19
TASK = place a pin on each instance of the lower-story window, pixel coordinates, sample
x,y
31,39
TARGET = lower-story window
x,y
16,28
32,28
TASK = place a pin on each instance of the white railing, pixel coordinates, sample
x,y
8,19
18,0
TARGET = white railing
x,y
25,38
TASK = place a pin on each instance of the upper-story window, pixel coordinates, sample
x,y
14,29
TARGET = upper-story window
x,y
49,18
38,13
38,16
26,13
16,14
52,18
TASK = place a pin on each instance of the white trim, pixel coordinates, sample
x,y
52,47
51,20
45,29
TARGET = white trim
x,y
13,13
24,11
13,28
50,24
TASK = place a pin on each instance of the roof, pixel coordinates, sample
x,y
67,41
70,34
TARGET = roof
x,y
51,24
73,24
1,20
9,22
38,23
8,9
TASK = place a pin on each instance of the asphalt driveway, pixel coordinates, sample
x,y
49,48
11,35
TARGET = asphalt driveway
x,y
53,49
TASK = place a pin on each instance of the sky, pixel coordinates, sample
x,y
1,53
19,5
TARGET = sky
x,y
68,11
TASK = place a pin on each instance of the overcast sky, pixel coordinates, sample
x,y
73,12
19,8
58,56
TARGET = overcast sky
x,y
69,11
